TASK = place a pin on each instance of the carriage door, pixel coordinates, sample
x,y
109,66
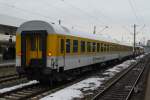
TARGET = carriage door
x,y
62,52
34,48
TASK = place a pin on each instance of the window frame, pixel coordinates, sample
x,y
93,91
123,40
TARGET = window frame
x,y
75,46
68,49
93,47
62,46
88,46
83,46
102,49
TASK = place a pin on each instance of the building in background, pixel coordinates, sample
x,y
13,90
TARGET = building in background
x,y
148,42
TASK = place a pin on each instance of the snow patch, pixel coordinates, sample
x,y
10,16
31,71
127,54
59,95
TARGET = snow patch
x,y
18,86
116,69
139,57
76,90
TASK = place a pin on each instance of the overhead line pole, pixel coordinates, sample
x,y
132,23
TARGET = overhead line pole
x,y
134,44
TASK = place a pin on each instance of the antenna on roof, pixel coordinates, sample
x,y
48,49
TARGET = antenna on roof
x,y
94,31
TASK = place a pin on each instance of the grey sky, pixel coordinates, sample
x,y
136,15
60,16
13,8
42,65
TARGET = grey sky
x,y
119,15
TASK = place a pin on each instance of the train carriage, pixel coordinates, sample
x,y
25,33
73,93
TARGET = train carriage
x,y
45,50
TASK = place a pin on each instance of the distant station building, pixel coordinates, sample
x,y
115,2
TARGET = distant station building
x,y
7,29
7,41
147,47
148,43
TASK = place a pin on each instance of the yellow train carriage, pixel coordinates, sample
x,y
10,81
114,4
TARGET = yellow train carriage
x,y
44,49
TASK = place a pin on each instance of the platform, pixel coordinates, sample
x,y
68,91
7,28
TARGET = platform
x,y
147,94
7,63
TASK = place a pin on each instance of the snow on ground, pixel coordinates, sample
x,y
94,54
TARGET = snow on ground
x,y
141,56
116,69
76,90
18,86
79,89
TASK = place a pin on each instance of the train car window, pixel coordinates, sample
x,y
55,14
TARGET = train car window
x,y
68,46
102,47
75,46
98,47
82,46
33,43
116,47
108,48
94,47
111,47
62,45
105,47
88,46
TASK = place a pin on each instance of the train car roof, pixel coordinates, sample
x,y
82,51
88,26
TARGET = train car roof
x,y
59,29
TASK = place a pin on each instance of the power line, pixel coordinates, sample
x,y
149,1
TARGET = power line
x,y
134,11
89,15
27,11
126,29
141,28
141,17
101,12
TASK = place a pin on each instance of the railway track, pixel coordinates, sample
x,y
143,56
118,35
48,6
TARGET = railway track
x,y
8,78
11,80
124,85
80,78
7,65
24,92
7,71
37,91
8,75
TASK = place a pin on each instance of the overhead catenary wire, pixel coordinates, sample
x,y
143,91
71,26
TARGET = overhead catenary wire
x,y
98,21
126,29
139,31
65,11
100,11
137,17
134,11
140,16
27,11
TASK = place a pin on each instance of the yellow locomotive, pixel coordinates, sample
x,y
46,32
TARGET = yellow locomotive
x,y
46,51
